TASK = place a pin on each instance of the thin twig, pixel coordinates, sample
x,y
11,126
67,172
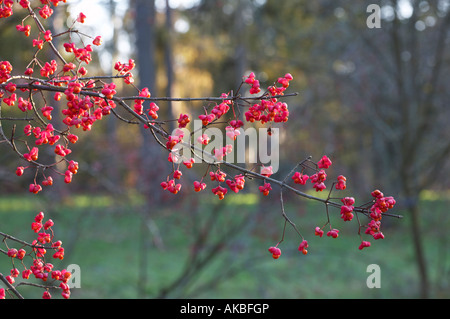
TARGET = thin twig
x,y
210,99
26,243
10,287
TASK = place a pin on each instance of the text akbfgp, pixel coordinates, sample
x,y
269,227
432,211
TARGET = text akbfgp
x,y
246,308
263,146
240,308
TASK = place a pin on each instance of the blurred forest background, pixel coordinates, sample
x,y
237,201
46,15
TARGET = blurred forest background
x,y
375,100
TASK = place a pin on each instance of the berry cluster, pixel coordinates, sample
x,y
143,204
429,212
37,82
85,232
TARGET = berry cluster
x,y
318,178
124,69
275,112
5,71
381,204
347,208
269,110
39,268
275,109
67,83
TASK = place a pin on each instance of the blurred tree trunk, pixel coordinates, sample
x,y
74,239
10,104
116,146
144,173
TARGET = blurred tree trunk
x,y
240,56
111,126
150,160
168,58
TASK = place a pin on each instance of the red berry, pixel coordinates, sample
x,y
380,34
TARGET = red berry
x,y
35,188
26,273
15,272
300,178
36,226
220,192
364,244
303,245
198,186
39,217
48,181
12,252
97,41
46,295
19,170
49,223
275,251
265,189
333,233
318,231
177,174
21,253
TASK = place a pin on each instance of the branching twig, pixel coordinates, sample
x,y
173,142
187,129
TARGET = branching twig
x,y
10,287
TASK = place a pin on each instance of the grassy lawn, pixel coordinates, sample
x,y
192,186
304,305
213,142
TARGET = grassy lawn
x,y
122,254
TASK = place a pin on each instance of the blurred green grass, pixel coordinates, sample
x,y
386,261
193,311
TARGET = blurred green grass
x,y
108,238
